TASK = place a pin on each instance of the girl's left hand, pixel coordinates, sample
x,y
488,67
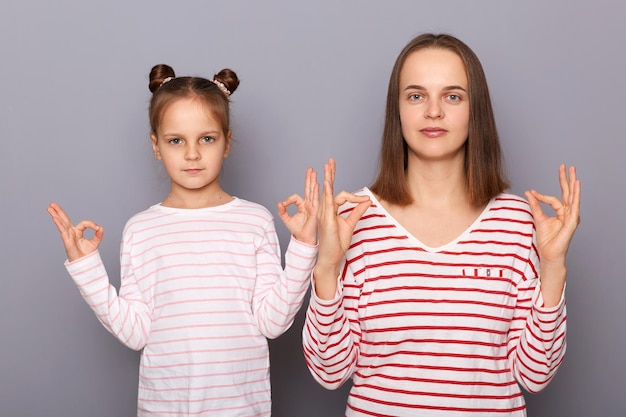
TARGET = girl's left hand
x,y
303,224
554,234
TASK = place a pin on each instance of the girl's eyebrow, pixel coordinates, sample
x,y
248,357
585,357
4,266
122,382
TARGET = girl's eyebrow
x,y
210,133
205,133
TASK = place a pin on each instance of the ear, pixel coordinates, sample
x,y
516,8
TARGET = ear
x,y
155,146
229,139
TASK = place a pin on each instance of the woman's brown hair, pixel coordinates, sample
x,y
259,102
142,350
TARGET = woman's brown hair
x,y
483,159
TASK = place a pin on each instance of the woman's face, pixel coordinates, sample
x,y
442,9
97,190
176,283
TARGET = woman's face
x,y
434,105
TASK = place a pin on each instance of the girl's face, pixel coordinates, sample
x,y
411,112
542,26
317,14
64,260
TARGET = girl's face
x,y
192,145
434,105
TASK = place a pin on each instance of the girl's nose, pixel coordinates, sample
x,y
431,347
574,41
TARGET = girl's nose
x,y
191,153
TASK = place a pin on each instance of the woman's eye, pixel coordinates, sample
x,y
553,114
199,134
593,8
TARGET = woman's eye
x,y
208,139
454,98
415,97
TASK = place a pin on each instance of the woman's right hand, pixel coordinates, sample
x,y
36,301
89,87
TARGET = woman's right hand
x,y
335,232
74,240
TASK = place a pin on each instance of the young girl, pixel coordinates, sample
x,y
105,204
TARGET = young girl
x,y
440,308
202,285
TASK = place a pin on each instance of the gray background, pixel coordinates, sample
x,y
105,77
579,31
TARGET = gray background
x,y
74,129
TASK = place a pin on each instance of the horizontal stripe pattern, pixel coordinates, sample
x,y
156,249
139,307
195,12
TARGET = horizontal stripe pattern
x,y
201,291
450,331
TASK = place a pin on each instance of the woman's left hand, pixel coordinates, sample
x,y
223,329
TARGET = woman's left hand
x,y
303,224
554,234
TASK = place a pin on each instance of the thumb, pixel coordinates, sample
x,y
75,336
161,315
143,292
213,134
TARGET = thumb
x,y
357,212
535,206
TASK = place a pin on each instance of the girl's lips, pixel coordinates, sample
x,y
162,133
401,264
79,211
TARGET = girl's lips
x,y
192,171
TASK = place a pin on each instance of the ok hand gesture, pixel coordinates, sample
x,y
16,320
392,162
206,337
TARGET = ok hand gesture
x,y
554,234
335,232
303,224
74,240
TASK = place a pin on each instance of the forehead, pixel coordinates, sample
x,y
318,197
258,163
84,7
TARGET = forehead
x,y
188,111
433,67
189,105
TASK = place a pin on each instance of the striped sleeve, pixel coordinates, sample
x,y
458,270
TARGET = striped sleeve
x,y
331,333
278,292
126,315
536,342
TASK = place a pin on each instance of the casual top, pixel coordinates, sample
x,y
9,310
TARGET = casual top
x,y
201,290
441,331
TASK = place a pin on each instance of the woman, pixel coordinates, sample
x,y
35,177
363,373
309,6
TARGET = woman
x,y
439,309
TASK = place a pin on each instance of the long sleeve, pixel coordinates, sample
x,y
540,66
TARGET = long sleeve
x,y
126,315
536,342
278,293
331,334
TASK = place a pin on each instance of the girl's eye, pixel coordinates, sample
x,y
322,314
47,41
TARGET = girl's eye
x,y
415,97
176,141
454,98
207,139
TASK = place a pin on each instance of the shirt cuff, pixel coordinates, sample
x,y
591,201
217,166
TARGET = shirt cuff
x,y
538,302
315,300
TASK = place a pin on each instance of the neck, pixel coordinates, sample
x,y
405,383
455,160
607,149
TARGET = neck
x,y
437,184
194,199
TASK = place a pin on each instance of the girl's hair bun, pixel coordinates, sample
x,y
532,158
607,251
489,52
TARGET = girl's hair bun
x,y
229,78
158,75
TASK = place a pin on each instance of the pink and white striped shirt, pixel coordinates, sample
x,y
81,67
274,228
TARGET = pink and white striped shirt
x,y
200,292
448,331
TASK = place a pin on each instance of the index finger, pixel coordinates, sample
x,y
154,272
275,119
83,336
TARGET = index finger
x,y
57,213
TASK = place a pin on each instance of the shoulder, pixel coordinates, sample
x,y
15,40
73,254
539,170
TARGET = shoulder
x,y
148,215
142,221
249,213
510,201
251,208
510,206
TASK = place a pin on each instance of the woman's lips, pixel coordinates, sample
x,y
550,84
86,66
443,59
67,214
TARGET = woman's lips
x,y
433,132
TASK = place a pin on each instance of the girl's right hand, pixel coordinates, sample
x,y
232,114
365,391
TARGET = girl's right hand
x,y
303,224
76,244
335,232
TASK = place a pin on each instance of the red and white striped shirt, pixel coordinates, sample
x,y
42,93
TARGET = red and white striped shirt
x,y
200,292
448,331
